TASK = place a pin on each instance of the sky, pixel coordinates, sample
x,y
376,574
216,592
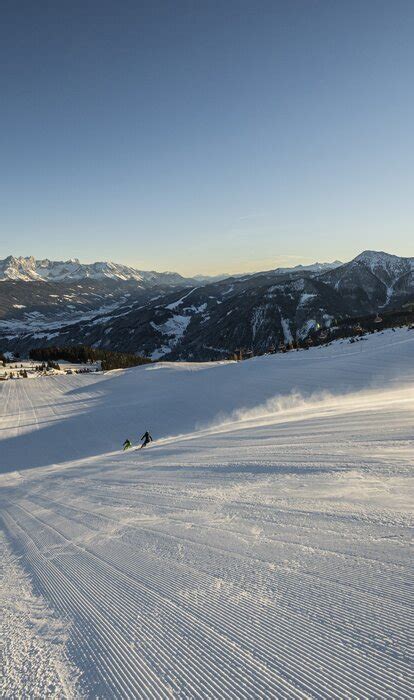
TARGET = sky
x,y
206,137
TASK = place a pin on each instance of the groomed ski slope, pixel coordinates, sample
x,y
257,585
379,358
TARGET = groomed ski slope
x,y
260,547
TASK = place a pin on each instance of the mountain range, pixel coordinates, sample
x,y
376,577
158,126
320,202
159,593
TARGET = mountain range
x,y
165,315
31,270
28,269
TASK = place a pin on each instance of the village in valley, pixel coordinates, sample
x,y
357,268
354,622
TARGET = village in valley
x,y
12,367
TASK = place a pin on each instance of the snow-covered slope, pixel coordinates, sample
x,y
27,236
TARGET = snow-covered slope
x,y
260,547
179,398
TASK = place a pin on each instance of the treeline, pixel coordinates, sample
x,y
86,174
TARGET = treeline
x,y
394,318
357,326
83,353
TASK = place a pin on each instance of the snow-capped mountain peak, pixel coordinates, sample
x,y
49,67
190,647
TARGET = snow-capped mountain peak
x,y
384,264
28,269
379,257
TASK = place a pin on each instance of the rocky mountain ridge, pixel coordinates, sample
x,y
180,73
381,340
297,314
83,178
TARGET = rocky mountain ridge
x,y
28,269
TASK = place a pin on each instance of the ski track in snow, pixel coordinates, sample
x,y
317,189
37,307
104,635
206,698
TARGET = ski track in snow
x,y
265,554
34,657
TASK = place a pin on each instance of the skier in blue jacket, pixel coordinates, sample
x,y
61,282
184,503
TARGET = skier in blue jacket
x,y
146,438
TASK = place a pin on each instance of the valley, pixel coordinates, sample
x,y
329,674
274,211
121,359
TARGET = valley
x,y
188,320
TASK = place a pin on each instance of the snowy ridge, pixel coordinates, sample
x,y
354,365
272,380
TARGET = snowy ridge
x,y
29,269
313,267
260,548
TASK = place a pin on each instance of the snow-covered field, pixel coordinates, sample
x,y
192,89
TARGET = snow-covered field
x,y
259,548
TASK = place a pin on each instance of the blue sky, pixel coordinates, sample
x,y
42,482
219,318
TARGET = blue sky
x,y
206,136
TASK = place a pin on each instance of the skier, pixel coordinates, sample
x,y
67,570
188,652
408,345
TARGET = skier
x,y
146,438
127,444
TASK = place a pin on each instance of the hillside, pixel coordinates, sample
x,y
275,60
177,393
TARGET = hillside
x,y
176,398
259,548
